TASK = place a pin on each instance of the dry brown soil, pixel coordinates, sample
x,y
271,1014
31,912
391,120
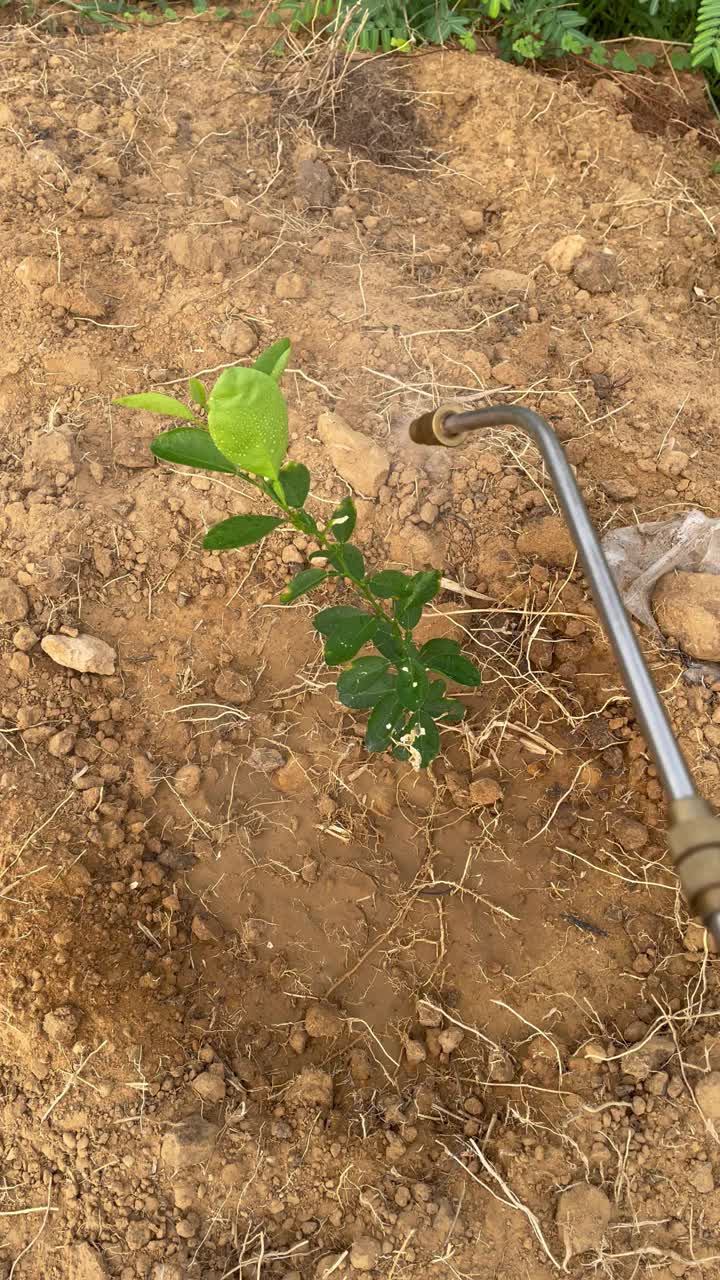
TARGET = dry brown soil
x,y
272,1008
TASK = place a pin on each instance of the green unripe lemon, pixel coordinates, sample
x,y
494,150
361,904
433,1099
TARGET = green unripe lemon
x,y
248,421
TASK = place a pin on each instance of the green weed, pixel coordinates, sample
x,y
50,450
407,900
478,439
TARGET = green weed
x,y
240,428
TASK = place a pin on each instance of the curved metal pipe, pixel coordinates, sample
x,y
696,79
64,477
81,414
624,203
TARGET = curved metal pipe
x,y
695,833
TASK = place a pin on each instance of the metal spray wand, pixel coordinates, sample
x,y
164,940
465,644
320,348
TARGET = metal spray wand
x,y
694,831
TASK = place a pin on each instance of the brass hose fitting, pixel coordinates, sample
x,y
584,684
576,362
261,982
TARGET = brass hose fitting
x,y
694,834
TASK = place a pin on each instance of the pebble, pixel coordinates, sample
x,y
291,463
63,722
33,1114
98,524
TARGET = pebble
x,y
187,780
687,607
62,743
564,253
322,1022
415,1052
13,602
484,792
473,220
80,653
365,1253
630,833
230,686
61,1024
360,461
619,489
450,1039
25,639
210,1087
207,929
237,338
596,271
311,1088
428,1016
290,285
707,1092
583,1216
188,1143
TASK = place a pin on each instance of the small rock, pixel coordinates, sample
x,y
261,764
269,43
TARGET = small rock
x,y
75,299
62,743
187,1227
630,834
697,938
237,338
707,1093
687,607
85,1263
429,512
49,453
189,1142
312,1088
450,1039
500,1067
583,1216
484,792
265,759
672,462
314,184
596,271
502,281
292,778
428,1016
207,929
209,1087
655,1054
298,1040
702,1179
20,665
25,639
548,540
61,1024
473,220
290,285
415,1052
334,1266
365,1253
619,489
360,461
230,686
13,601
322,1021
80,653
187,779
564,253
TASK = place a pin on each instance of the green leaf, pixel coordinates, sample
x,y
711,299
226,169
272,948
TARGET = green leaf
x,y
295,481
422,588
303,582
412,685
623,61
239,531
365,682
384,723
390,584
346,630
248,420
348,559
343,520
646,59
154,402
191,447
427,739
198,392
274,359
680,59
387,643
444,656
440,707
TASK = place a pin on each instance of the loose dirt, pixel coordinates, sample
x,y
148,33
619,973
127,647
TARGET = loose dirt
x,y
272,1008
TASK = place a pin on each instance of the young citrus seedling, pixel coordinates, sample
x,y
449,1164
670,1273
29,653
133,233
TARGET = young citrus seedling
x,y
241,428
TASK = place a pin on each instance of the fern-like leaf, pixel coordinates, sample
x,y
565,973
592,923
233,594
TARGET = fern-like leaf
x,y
706,44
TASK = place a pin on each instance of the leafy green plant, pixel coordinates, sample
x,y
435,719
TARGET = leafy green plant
x,y
240,428
706,43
